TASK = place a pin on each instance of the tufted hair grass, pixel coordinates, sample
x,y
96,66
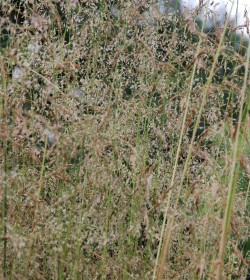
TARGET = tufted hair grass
x,y
124,144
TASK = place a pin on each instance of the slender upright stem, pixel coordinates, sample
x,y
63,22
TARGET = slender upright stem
x,y
233,174
169,226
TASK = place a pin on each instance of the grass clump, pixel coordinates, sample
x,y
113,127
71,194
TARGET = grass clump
x,y
124,145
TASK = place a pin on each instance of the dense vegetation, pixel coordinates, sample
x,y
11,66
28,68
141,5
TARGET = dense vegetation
x,y
124,144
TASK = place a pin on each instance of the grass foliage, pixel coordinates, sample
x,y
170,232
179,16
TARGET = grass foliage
x,y
124,144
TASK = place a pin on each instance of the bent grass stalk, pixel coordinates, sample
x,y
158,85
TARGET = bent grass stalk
x,y
233,174
168,229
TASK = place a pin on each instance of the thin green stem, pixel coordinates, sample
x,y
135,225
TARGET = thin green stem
x,y
170,223
233,173
175,165
5,192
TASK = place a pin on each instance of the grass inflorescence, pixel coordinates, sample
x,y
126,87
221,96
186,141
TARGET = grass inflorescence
x,y
124,144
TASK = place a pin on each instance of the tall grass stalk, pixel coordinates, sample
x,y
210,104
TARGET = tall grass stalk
x,y
159,267
170,223
233,171
4,184
4,214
